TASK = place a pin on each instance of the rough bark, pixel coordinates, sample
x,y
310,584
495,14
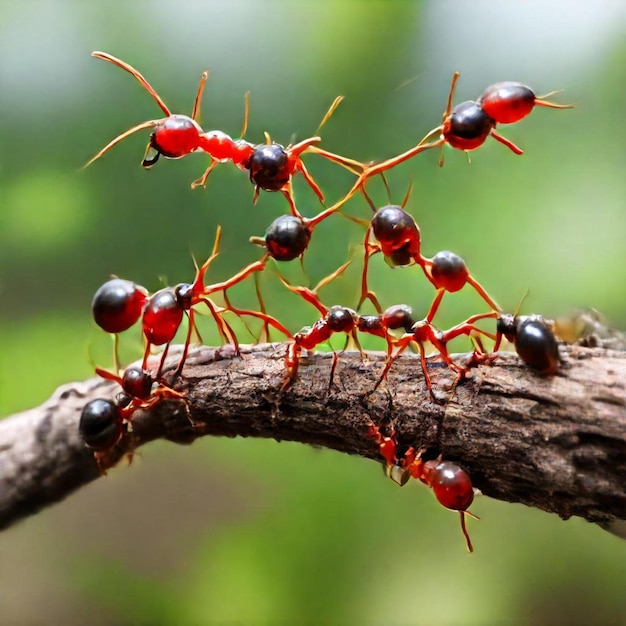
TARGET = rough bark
x,y
556,443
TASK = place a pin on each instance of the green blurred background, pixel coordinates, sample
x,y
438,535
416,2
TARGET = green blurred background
x,y
253,532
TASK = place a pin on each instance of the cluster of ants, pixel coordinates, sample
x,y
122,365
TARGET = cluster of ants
x,y
119,304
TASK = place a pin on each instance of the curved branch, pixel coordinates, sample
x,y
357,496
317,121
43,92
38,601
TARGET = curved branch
x,y
557,443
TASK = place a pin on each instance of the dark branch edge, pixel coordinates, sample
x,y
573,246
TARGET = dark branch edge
x,y
556,443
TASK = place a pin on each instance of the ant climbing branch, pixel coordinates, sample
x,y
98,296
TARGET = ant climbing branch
x,y
490,427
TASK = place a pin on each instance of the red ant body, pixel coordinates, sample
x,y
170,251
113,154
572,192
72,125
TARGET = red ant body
x,y
271,166
340,319
138,390
164,311
467,126
509,102
451,485
424,331
101,424
174,136
398,237
534,341
116,306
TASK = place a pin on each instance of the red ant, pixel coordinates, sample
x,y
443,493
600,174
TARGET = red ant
x,y
164,311
271,166
101,425
424,331
466,126
116,306
398,237
138,393
451,485
174,136
288,236
509,102
339,319
533,338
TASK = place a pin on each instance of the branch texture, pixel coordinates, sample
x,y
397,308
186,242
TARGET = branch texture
x,y
556,443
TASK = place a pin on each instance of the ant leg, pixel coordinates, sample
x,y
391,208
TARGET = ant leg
x,y
402,344
162,362
435,305
366,293
310,181
287,191
201,182
310,295
292,362
504,141
246,113
483,294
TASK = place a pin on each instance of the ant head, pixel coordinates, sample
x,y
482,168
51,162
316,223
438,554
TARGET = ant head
x,y
100,424
269,167
175,137
137,383
468,126
287,238
449,271
118,304
506,325
184,295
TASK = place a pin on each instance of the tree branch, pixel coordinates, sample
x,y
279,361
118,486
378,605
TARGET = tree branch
x,y
556,443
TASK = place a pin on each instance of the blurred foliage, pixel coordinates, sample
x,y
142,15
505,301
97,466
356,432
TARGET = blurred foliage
x,y
251,531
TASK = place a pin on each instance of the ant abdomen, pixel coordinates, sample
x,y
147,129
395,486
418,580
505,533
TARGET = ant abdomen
x,y
449,271
397,232
100,425
118,304
534,341
137,383
450,483
398,316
